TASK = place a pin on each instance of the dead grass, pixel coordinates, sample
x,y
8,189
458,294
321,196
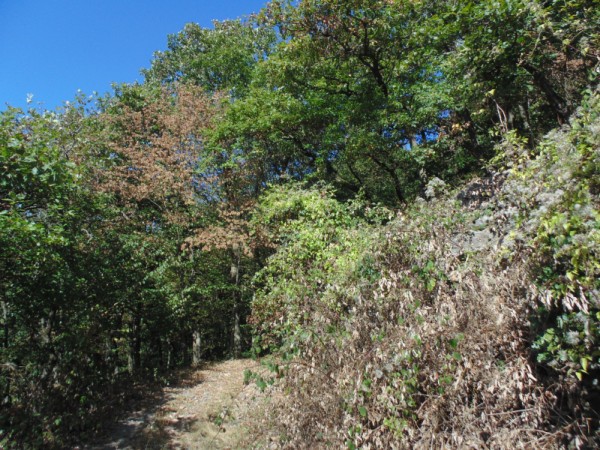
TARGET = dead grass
x,y
415,364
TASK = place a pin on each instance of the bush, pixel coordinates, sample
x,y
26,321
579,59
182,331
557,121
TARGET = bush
x,y
419,332
557,196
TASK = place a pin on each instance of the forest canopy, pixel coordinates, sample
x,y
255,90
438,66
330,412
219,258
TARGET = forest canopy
x,y
236,200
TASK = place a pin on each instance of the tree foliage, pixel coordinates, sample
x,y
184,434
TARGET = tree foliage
x,y
240,188
221,58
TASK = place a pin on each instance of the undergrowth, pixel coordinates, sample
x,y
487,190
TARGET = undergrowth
x,y
469,320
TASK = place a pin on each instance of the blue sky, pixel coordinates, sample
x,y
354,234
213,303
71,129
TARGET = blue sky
x,y
52,48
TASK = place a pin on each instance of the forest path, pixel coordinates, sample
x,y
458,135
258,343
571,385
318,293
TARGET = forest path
x,y
210,408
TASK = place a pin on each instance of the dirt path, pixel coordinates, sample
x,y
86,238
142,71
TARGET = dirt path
x,y
210,409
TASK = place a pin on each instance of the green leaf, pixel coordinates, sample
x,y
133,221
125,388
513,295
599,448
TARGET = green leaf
x,y
584,364
431,282
362,411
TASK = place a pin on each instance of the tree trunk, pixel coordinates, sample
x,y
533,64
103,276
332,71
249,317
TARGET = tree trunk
x,y
196,348
392,172
5,324
237,334
6,399
169,354
413,142
161,359
554,99
235,275
135,346
46,327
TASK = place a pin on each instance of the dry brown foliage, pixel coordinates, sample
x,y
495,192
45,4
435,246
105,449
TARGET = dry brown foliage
x,y
231,231
416,366
155,149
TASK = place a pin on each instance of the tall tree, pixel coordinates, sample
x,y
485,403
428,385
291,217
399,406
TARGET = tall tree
x,y
221,58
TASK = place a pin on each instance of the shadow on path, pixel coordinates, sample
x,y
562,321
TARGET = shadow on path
x,y
194,413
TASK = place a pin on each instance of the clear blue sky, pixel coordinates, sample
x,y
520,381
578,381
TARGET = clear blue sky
x,y
52,48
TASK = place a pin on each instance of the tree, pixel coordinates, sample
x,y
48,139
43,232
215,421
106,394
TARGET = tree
x,y
522,63
218,59
50,377
351,96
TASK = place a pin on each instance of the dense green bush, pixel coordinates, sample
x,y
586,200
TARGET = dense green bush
x,y
320,266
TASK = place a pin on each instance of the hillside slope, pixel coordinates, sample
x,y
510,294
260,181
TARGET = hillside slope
x,y
468,320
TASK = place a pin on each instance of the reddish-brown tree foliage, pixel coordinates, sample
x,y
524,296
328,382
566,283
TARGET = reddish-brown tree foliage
x,y
156,149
